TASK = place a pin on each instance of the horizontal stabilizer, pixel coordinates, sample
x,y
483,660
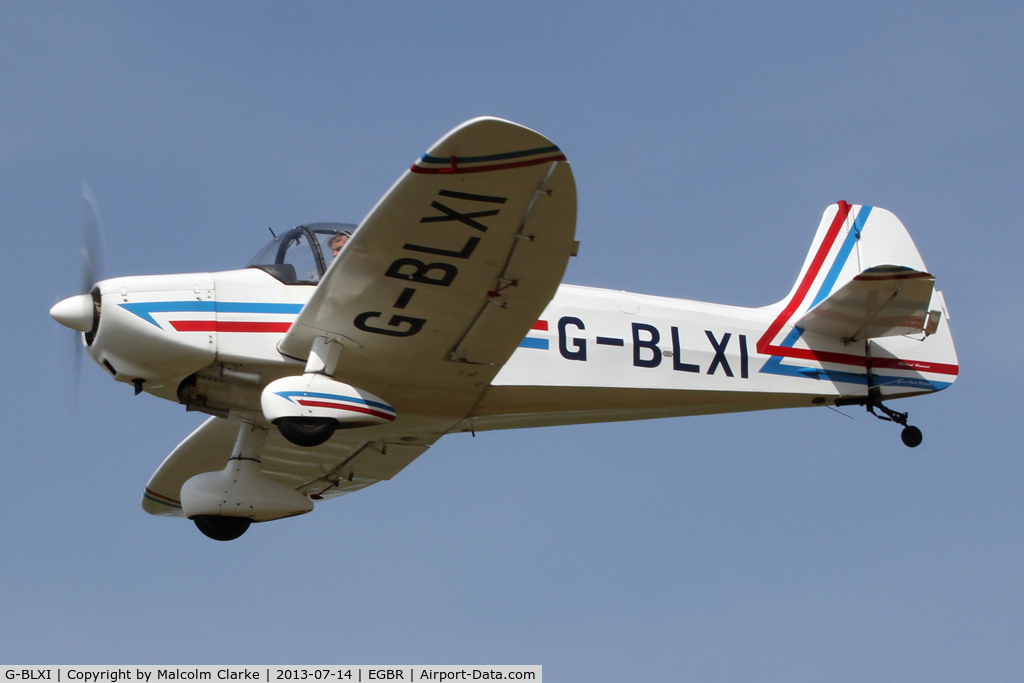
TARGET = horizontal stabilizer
x,y
882,301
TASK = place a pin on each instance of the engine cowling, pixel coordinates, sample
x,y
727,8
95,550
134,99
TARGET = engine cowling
x,y
154,328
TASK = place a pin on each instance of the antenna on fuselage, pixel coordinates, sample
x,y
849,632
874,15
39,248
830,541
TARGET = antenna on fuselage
x,y
271,231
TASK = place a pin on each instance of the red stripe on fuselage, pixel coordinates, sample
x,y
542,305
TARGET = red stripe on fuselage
x,y
540,326
227,326
861,361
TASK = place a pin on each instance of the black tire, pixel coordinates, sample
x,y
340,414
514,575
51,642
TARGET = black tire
x,y
307,431
912,436
222,528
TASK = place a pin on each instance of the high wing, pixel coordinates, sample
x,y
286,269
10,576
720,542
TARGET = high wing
x,y
344,464
449,271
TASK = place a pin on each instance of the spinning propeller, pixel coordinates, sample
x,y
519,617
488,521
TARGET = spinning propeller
x,y
80,312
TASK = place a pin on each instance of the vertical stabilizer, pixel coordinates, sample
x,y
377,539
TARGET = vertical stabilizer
x,y
850,240
864,304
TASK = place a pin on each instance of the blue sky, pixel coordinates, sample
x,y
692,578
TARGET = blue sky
x,y
785,546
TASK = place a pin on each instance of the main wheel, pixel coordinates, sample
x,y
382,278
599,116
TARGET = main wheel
x,y
307,431
222,528
912,436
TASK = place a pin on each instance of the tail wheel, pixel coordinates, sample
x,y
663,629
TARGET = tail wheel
x,y
912,436
222,528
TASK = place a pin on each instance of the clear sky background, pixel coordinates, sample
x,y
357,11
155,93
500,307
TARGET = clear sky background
x,y
777,546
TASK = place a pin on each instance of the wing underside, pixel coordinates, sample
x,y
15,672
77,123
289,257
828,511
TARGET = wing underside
x,y
434,292
449,271
344,464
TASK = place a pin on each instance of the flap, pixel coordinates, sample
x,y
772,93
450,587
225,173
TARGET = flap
x,y
883,301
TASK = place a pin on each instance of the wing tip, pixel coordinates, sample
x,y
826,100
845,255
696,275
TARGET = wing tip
x,y
160,505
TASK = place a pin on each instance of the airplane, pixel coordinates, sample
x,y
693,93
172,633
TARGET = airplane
x,y
445,313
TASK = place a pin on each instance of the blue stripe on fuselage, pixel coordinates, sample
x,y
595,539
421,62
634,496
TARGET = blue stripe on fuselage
x,y
145,309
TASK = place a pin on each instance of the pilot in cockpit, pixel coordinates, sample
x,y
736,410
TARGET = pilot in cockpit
x,y
338,241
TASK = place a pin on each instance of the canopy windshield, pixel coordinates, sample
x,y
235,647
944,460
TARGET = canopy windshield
x,y
301,255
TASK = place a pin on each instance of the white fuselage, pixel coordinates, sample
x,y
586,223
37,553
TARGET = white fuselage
x,y
210,340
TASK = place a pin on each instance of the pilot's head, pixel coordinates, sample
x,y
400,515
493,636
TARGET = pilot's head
x,y
338,241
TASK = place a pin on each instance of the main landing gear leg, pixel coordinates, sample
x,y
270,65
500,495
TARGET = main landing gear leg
x,y
219,527
225,502
309,431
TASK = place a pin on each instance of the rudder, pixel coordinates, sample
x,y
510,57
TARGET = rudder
x,y
863,293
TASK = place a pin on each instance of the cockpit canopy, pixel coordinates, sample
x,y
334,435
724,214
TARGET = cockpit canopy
x,y
301,255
